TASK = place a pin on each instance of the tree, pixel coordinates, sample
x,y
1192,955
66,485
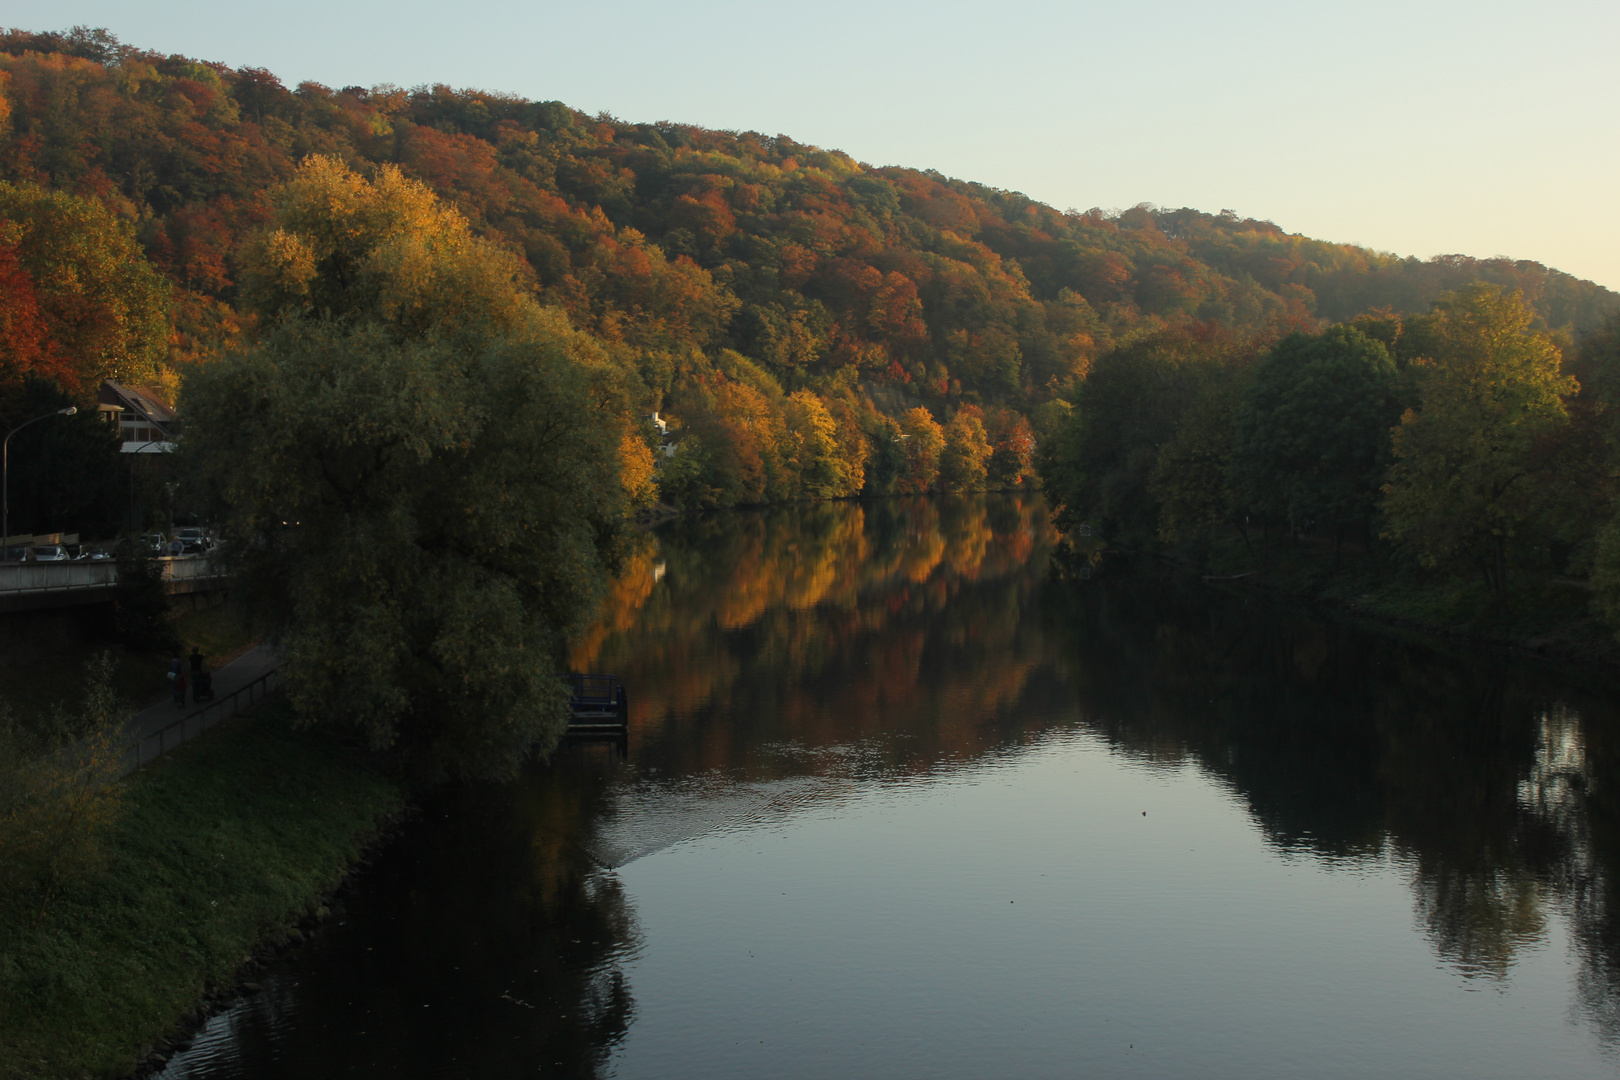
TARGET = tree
x,y
1101,464
1461,487
963,463
386,249
423,471
140,603
814,433
1312,440
105,309
1013,448
1192,474
65,473
25,342
925,441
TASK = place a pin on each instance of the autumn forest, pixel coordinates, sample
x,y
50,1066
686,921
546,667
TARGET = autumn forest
x,y
807,325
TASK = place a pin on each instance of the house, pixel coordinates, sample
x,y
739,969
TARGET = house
x,y
143,414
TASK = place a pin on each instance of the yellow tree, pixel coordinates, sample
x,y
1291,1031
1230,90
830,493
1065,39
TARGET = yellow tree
x,y
963,464
386,248
925,440
1488,386
815,433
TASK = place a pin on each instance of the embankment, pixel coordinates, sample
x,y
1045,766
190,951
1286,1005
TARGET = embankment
x,y
227,843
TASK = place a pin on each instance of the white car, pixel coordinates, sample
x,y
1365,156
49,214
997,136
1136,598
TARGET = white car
x,y
49,553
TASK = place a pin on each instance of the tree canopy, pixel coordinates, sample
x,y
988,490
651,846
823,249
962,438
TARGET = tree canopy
x,y
1488,387
81,303
1312,438
426,504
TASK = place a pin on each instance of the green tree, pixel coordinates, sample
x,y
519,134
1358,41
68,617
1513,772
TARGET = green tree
x,y
423,526
65,473
1192,474
422,468
1488,387
1100,464
1312,439
140,604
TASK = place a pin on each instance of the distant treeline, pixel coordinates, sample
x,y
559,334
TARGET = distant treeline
x,y
788,308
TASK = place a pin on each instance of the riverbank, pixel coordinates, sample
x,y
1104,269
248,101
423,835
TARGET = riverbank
x,y
228,844
1544,615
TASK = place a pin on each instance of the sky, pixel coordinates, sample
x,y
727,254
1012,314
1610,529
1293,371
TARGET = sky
x,y
1420,128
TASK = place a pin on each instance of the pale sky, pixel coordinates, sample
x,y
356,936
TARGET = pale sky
x,y
1478,128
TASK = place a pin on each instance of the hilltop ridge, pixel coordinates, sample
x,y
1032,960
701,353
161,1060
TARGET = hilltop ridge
x,y
677,240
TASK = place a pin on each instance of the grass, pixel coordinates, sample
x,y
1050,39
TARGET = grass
x,y
51,672
235,836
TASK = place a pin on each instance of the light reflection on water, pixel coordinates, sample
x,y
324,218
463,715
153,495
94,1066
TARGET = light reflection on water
x,y
898,804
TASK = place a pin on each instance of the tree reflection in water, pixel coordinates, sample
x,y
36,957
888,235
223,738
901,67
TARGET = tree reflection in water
x,y
1481,773
483,942
831,624
783,658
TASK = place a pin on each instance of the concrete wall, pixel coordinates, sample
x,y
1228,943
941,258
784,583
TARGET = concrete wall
x,y
30,586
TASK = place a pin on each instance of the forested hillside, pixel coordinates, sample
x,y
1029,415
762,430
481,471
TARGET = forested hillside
x,y
730,271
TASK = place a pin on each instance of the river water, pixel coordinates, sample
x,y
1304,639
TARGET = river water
x,y
901,799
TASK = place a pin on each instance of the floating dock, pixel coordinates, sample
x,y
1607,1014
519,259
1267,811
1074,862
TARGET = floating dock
x,y
598,704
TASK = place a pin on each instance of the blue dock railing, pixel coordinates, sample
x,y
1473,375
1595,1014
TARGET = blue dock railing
x,y
598,702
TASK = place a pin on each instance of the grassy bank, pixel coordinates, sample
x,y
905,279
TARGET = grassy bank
x,y
233,837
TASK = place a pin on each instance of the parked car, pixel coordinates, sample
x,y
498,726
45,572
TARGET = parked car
x,y
194,540
49,553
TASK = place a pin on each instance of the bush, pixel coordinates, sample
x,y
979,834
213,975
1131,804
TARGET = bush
x,y
58,790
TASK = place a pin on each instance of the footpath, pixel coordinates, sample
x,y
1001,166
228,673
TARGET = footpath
x,y
228,679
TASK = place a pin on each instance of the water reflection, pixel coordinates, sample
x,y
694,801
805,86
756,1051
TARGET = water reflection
x,y
785,666
830,626
1477,770
484,942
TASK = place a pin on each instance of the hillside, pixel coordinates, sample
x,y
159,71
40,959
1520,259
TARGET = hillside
x,y
672,238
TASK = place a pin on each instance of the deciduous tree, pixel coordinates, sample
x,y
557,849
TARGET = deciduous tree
x,y
423,469
1461,486
1312,439
105,310
964,462
925,441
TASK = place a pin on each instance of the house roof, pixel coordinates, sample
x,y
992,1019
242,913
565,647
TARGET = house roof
x,y
149,401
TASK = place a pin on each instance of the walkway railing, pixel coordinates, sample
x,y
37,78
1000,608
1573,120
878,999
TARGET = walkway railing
x,y
151,747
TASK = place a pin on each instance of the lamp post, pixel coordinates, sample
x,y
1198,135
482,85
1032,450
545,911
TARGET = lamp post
x,y
5,476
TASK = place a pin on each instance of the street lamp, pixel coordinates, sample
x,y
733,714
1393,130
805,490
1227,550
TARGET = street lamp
x,y
5,476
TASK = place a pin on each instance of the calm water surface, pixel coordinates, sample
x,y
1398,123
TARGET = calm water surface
x,y
901,800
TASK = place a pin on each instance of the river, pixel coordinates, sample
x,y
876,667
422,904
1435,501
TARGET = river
x,y
902,798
